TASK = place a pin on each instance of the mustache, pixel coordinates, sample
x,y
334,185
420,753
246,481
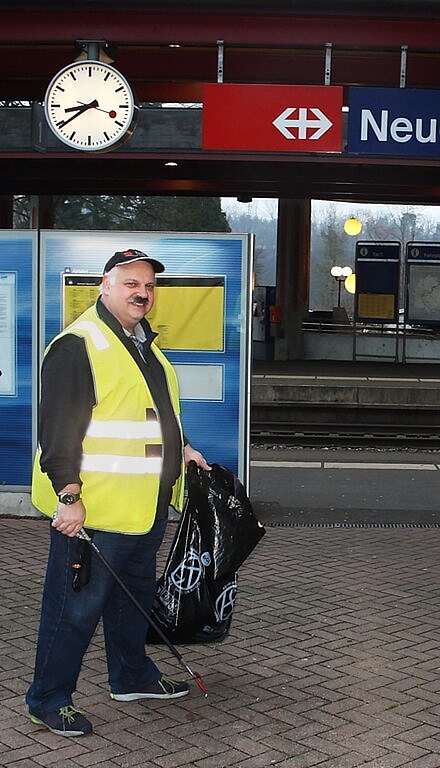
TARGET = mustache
x,y
138,300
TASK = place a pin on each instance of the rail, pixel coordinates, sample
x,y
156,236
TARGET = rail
x,y
324,426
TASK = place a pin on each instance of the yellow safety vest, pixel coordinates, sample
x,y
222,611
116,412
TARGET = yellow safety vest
x,y
122,448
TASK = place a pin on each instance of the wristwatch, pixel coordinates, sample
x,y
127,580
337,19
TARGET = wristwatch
x,y
69,498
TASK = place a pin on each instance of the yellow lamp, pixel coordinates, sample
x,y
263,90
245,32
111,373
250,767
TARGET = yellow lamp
x,y
353,226
350,283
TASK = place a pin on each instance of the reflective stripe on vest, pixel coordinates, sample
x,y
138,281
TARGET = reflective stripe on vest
x,y
124,465
150,429
94,332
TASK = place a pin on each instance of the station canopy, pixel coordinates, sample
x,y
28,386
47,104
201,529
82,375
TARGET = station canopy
x,y
168,50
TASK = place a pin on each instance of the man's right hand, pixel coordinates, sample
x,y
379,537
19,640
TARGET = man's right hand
x,y
69,518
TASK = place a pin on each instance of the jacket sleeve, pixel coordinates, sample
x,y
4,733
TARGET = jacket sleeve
x,y
67,400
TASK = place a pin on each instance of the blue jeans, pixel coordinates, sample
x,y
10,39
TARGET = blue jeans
x,y
69,619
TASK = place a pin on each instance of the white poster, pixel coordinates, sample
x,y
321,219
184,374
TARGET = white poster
x,y
7,334
424,293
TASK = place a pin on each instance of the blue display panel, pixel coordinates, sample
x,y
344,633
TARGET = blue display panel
x,y
215,382
17,377
377,268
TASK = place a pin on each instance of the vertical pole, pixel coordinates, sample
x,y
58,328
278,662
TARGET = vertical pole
x,y
220,60
328,63
403,62
42,212
93,50
293,258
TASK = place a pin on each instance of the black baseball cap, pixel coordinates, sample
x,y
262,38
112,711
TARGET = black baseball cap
x,y
129,256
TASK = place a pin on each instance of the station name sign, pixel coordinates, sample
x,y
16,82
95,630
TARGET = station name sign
x,y
394,121
308,119
272,118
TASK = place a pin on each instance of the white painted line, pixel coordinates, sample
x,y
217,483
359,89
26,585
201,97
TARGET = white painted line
x,y
342,465
376,465
383,378
287,376
291,464
342,378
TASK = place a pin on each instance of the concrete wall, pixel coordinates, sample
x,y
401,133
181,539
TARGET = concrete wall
x,y
17,504
25,128
342,345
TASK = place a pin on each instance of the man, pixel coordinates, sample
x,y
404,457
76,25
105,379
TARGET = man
x,y
111,458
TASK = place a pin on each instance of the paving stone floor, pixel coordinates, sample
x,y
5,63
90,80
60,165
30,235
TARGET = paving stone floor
x,y
332,661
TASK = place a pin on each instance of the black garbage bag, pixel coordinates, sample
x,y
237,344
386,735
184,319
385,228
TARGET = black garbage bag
x,y
217,531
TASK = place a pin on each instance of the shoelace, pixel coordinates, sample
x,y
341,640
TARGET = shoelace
x,y
169,681
68,713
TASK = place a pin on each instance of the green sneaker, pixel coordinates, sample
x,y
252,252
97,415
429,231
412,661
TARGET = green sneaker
x,y
164,688
67,721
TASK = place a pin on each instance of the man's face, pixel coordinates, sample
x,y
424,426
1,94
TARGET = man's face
x,y
128,292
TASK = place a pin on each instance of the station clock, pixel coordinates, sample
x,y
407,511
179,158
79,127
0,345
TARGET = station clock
x,y
90,106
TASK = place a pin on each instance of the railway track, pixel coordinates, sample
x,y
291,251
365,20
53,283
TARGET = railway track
x,y
351,427
343,435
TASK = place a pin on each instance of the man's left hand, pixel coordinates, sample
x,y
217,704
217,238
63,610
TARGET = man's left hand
x,y
190,454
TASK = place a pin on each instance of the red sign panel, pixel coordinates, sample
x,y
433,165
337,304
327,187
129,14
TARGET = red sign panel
x,y
272,118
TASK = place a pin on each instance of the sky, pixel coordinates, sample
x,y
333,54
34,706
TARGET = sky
x,y
263,208
266,208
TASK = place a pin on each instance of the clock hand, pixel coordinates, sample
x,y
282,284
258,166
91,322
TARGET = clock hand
x,y
79,111
110,112
93,103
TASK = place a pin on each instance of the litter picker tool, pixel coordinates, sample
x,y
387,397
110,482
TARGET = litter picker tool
x,y
196,676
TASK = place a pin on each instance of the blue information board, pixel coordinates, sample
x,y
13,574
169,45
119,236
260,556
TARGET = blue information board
x,y
377,268
214,381
17,371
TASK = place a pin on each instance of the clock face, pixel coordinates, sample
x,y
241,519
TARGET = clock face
x,y
90,106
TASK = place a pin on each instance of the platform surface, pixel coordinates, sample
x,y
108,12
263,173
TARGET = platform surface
x,y
334,370
332,661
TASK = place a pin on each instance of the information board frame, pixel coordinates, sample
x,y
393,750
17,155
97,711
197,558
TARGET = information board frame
x,y
377,270
422,284
18,264
219,426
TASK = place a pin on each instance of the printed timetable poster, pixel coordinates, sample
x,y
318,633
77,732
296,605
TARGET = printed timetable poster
x,y
17,369
201,314
8,333
188,311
